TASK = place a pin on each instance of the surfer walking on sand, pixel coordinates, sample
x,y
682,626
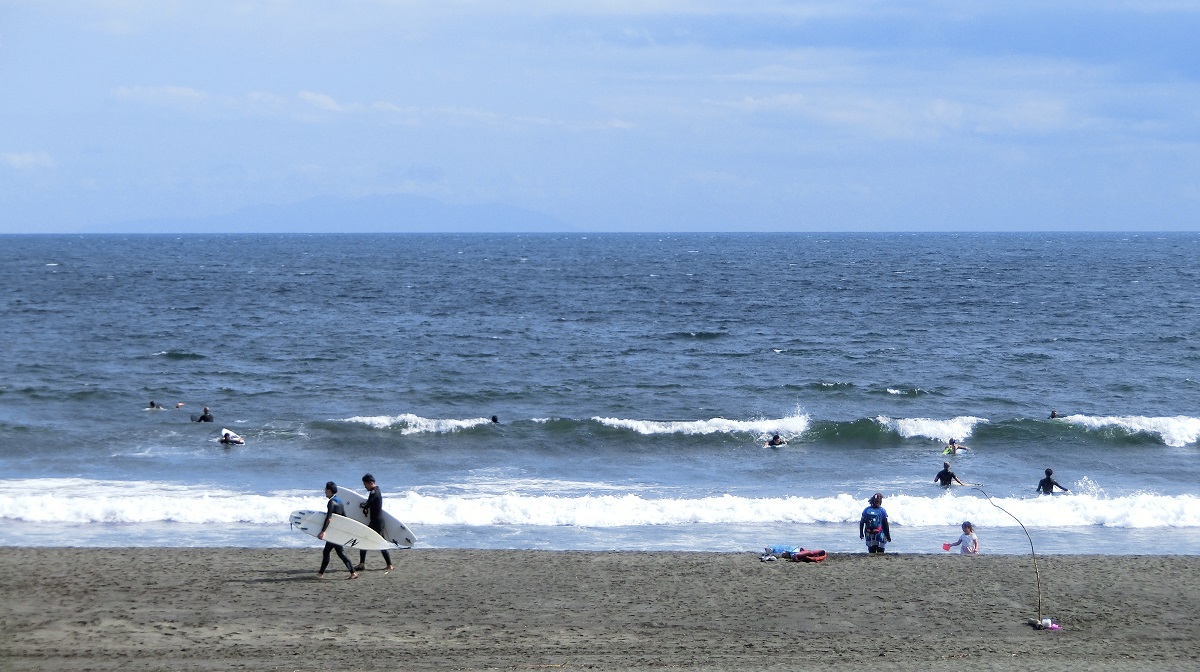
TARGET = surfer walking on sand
x,y
873,526
374,508
333,506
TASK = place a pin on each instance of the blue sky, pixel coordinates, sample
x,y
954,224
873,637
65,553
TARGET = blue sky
x,y
607,116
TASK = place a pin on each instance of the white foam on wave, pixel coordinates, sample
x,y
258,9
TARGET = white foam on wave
x,y
68,500
1176,431
941,430
790,427
78,501
617,510
409,423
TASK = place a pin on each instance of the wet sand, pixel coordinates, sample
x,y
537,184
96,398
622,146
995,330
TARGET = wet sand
x,y
264,609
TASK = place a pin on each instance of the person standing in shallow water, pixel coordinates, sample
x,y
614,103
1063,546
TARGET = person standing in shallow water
x,y
947,477
1046,485
333,506
374,509
873,526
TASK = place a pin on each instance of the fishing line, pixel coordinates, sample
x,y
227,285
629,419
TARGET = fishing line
x,y
1032,552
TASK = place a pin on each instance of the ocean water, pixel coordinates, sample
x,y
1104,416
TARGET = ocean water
x,y
635,377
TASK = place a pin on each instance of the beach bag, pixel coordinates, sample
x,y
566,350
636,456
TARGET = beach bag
x,y
874,520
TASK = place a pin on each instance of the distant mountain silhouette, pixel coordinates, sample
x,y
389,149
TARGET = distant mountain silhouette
x,y
400,213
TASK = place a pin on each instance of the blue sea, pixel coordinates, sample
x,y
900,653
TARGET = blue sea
x,y
635,377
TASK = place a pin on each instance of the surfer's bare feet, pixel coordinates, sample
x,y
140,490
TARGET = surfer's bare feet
x,y
353,575
320,575
390,568
361,566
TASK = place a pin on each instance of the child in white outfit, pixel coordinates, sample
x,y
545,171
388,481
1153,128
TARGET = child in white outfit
x,y
968,542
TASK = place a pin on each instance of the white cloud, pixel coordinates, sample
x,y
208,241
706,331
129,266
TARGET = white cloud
x,y
322,101
28,160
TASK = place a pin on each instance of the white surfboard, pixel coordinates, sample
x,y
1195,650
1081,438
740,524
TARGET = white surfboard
x,y
341,531
233,438
393,530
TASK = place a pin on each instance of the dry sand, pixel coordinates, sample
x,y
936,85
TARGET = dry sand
x,y
264,609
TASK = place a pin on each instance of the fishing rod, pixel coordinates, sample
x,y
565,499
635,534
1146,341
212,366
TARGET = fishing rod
x,y
1032,552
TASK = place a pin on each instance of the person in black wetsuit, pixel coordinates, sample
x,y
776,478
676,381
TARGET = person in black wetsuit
x,y
333,506
374,508
1046,485
205,417
947,477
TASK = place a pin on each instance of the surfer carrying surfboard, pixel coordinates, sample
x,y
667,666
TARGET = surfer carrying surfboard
x,y
374,508
334,505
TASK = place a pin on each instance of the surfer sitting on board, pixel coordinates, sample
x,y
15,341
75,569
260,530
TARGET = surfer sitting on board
x,y
776,440
333,506
1046,485
203,417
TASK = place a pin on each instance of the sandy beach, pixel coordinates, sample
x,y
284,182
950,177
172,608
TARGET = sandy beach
x,y
265,609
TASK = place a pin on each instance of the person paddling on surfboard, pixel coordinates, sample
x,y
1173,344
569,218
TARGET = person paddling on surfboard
x,y
776,440
374,508
954,447
334,505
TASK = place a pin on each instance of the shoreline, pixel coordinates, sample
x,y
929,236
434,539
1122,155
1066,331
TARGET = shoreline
x,y
264,609
696,537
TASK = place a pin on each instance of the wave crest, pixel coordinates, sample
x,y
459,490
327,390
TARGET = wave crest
x,y
791,427
941,430
409,423
1177,431
78,501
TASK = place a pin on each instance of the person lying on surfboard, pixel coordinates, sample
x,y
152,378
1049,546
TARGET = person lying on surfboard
x,y
954,447
776,440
